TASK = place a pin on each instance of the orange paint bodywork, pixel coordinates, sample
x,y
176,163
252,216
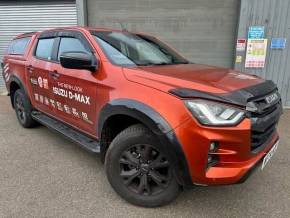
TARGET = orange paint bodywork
x,y
150,85
236,158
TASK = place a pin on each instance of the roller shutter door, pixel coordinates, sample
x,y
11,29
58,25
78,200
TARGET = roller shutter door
x,y
203,30
25,16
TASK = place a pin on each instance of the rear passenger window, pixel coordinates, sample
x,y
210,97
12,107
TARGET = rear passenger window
x,y
44,48
18,46
70,45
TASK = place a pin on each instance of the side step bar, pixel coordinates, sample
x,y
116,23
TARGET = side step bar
x,y
75,136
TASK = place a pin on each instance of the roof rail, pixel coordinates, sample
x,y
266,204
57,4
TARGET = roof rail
x,y
28,33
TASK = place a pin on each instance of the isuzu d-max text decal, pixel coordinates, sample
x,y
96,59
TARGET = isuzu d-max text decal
x,y
72,95
71,92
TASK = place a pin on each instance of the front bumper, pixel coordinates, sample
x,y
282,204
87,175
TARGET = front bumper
x,y
236,158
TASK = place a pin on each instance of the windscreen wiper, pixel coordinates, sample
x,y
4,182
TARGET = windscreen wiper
x,y
162,63
152,64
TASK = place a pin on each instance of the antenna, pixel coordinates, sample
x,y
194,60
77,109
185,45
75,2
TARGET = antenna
x,y
123,27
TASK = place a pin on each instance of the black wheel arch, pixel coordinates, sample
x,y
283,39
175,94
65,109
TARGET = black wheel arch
x,y
156,123
14,84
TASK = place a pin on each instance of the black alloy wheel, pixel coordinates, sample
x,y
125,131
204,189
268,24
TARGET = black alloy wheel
x,y
139,168
23,109
19,108
144,169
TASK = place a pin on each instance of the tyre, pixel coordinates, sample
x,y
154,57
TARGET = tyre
x,y
23,109
139,169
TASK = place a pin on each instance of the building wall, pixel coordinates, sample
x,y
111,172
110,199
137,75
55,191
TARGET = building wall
x,y
18,17
275,17
204,31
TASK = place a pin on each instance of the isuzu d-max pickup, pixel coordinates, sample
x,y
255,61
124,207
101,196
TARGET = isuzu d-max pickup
x,y
159,122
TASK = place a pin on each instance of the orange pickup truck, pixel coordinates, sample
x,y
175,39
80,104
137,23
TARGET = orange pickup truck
x,y
159,122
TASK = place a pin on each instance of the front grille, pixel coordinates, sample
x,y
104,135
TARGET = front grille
x,y
264,122
261,137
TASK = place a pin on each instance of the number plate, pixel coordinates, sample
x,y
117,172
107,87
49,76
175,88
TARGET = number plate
x,y
270,154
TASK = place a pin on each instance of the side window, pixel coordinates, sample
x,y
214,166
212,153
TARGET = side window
x,y
18,46
10,47
44,48
68,44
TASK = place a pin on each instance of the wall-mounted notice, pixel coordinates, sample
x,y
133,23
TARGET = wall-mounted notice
x,y
256,53
241,45
278,43
256,32
239,59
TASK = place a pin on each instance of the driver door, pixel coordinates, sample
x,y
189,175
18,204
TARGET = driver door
x,y
74,90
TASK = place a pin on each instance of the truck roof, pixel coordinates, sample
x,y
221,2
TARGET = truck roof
x,y
69,28
25,35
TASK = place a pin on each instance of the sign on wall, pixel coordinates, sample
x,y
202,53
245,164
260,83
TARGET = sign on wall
x,y
239,59
241,45
278,43
256,53
256,32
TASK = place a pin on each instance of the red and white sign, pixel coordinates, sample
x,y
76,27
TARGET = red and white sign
x,y
241,45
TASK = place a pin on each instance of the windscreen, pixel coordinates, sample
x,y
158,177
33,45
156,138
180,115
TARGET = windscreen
x,y
124,48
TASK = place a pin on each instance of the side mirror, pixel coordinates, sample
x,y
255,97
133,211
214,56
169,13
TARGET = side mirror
x,y
79,60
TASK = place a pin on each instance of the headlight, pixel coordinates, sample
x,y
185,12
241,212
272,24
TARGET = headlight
x,y
213,113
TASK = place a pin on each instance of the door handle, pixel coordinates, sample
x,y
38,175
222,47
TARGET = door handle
x,y
54,74
29,68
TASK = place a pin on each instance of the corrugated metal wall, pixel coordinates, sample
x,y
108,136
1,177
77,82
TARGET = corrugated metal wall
x,y
203,30
275,17
25,16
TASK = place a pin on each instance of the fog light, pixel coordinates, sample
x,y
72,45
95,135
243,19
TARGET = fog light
x,y
213,146
212,160
209,158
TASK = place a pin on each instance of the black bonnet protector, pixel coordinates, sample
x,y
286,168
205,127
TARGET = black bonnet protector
x,y
240,97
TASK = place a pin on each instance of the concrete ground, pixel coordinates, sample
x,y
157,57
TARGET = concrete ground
x,y
44,175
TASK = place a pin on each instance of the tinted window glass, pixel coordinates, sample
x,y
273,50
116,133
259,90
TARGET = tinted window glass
x,y
18,46
124,48
114,53
44,48
70,45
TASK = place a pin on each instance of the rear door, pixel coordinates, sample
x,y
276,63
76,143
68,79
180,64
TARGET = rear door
x,y
74,90
38,71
